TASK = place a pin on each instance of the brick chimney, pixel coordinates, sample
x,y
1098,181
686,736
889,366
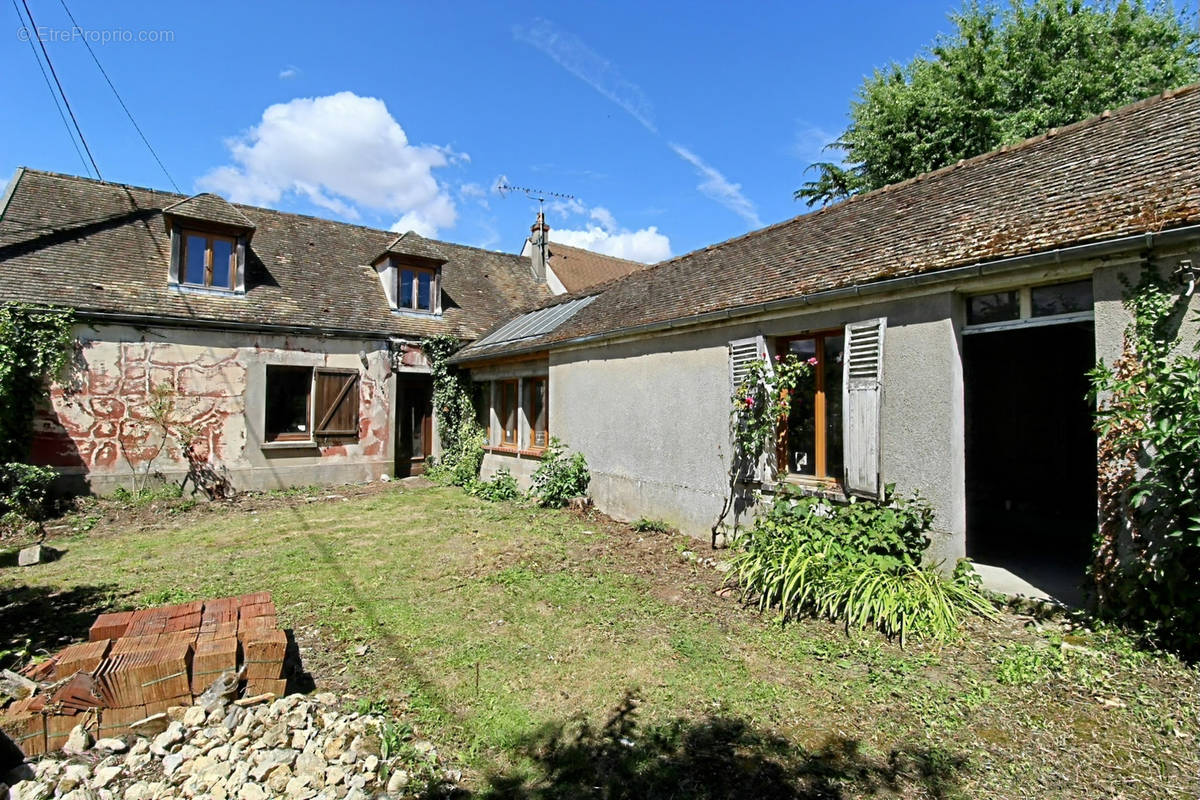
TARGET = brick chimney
x,y
539,241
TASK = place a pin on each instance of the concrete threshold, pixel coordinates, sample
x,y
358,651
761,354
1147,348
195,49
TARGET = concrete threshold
x,y
1059,590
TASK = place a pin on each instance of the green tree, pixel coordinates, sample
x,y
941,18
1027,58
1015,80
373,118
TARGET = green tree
x,y
35,345
1000,77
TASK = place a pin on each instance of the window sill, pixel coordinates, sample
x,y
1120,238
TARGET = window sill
x,y
211,291
502,450
416,312
828,488
534,452
286,444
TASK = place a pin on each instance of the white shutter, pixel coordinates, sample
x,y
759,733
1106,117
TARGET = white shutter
x,y
862,393
742,352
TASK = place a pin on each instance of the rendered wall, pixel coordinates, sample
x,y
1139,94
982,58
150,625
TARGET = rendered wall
x,y
652,415
98,426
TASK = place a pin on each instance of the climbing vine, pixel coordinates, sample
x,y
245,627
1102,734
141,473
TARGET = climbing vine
x,y
462,440
760,405
35,345
1147,551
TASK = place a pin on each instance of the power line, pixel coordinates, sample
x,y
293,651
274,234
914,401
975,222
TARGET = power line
x,y
117,94
50,88
33,28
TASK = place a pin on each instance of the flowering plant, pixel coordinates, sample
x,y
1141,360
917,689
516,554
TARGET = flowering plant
x,y
760,403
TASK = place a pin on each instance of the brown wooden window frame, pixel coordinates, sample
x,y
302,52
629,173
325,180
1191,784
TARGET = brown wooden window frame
x,y
317,429
820,411
209,237
530,394
435,288
507,443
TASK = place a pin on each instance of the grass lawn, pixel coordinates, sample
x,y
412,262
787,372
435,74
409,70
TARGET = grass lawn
x,y
548,654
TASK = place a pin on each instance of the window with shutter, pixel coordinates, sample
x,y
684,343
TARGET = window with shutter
x,y
862,388
743,352
335,409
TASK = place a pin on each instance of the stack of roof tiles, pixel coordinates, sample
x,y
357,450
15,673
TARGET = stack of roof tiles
x,y
139,663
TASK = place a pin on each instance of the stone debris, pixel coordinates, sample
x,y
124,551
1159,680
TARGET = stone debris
x,y
34,554
298,746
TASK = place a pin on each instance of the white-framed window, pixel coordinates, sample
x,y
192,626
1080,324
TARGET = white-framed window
x,y
1065,301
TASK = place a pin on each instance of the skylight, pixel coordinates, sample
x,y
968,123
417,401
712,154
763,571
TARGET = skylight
x,y
535,323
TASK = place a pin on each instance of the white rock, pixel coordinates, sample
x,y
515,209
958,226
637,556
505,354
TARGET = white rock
x,y
139,791
104,776
78,741
172,763
194,717
172,736
397,782
73,775
111,745
370,763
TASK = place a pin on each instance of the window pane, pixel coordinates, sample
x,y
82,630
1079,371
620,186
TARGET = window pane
x,y
193,255
1061,298
287,402
998,307
406,288
537,413
508,411
222,258
833,406
424,288
479,400
802,432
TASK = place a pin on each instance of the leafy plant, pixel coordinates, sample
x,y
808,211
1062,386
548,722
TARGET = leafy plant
x,y
560,476
858,563
147,495
25,490
35,345
462,440
1148,548
644,525
1023,665
501,486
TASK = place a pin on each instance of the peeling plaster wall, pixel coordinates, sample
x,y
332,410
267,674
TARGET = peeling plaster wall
x,y
99,427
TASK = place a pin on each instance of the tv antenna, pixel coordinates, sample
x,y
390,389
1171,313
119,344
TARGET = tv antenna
x,y
533,194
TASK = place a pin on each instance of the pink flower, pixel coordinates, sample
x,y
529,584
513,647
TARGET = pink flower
x,y
750,402
779,358
812,362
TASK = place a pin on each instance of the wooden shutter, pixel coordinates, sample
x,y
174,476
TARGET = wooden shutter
x,y
862,393
336,403
176,256
742,352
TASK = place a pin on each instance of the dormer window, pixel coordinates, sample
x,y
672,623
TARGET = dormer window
x,y
209,240
418,289
208,260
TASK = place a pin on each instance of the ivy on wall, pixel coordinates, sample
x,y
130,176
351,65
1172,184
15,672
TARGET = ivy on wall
x,y
35,345
461,438
1147,552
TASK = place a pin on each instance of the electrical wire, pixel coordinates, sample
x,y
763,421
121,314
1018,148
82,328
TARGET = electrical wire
x,y
117,94
50,88
33,33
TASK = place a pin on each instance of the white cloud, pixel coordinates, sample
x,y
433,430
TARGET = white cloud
x,y
716,186
810,144
344,153
573,55
288,72
603,235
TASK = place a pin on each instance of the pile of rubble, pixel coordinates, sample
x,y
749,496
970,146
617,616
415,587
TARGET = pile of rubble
x,y
295,746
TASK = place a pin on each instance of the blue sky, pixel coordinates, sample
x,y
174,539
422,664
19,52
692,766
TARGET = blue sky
x,y
674,126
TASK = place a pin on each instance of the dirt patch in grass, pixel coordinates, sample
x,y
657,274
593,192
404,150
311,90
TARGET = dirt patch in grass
x,y
552,654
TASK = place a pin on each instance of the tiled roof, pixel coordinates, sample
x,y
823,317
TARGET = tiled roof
x,y
104,247
1124,172
413,244
210,208
578,269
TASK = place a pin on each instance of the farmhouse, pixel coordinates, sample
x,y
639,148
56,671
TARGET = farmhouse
x,y
288,346
951,319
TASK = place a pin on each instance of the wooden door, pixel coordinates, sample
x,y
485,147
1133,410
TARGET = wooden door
x,y
414,424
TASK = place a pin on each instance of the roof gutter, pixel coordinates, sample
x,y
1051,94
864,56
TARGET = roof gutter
x,y
143,320
1141,241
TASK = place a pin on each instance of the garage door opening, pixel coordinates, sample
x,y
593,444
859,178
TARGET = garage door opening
x,y
1031,453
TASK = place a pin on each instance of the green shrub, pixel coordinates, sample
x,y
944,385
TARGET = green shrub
x,y
1147,553
559,477
25,490
147,495
501,486
459,467
644,525
858,563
